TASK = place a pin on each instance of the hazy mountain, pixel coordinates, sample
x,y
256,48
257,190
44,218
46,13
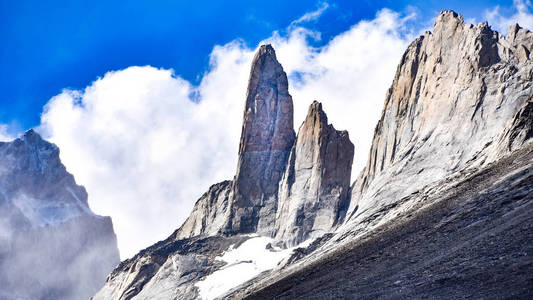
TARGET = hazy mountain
x,y
51,245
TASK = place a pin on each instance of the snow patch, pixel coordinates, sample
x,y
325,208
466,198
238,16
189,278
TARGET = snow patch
x,y
242,264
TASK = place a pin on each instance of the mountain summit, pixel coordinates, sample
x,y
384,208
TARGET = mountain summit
x,y
251,203
442,208
52,246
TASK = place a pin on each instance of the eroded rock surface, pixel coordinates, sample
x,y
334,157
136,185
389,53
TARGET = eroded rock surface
x,y
266,140
210,212
444,200
314,188
453,94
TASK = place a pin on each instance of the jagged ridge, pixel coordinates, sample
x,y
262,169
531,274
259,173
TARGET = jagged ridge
x,y
458,95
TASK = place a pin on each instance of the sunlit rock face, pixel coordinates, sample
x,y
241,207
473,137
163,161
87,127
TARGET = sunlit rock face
x,y
258,201
210,213
314,189
450,159
454,92
51,245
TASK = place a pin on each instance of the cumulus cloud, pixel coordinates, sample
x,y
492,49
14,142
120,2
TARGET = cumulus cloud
x,y
147,143
144,150
523,15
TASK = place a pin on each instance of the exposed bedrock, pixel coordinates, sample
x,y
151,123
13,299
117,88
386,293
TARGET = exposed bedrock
x,y
314,188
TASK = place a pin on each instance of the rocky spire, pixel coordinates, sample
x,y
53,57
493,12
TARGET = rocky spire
x,y
314,189
266,139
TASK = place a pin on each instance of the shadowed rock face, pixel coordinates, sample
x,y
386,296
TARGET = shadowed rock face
x,y
266,140
51,245
314,189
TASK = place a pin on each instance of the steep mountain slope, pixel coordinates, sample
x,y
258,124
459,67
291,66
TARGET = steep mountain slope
x,y
51,244
471,239
453,94
459,105
314,188
234,212
446,190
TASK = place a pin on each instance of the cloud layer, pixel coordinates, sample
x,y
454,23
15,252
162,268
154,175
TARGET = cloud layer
x,y
146,143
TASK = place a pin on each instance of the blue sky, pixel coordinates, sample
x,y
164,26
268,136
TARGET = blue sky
x,y
51,45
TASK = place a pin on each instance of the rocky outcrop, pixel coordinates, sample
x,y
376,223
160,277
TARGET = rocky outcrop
x,y
314,188
266,140
42,207
167,270
209,214
258,201
453,94
248,204
519,130
445,164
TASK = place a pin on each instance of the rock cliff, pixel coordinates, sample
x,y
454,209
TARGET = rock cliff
x,y
42,207
251,202
446,184
266,140
275,174
314,188
453,94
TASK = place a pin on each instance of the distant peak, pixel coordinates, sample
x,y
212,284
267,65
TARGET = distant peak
x,y
31,136
447,16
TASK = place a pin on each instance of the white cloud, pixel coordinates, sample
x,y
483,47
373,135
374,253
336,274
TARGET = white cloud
x,y
523,16
146,152
143,150
5,136
312,15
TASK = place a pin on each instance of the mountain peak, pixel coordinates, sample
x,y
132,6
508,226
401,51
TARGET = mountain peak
x,y
317,113
447,16
266,139
266,50
314,188
31,136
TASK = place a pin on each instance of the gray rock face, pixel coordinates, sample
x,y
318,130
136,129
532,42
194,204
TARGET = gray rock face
x,y
266,140
167,270
210,213
42,207
450,158
452,97
464,238
315,181
314,188
519,130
